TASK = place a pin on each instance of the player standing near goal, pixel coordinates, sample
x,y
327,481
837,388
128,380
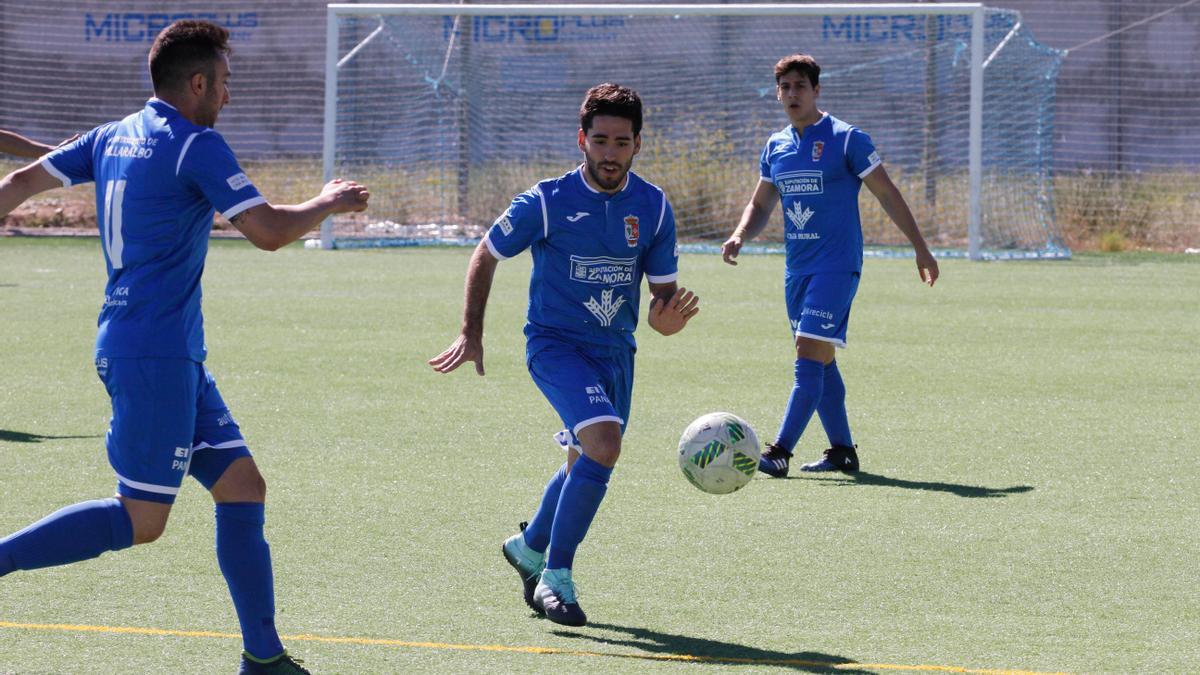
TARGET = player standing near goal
x,y
593,233
815,166
160,173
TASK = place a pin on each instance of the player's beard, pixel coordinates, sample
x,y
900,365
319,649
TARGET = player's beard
x,y
593,169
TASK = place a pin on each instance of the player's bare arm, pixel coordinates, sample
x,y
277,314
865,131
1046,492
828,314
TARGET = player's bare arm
x,y
22,184
272,227
754,220
468,346
893,203
16,144
671,308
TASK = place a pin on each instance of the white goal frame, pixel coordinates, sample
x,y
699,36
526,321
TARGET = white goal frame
x,y
975,10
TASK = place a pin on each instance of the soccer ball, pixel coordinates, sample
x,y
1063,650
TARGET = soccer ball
x,y
718,453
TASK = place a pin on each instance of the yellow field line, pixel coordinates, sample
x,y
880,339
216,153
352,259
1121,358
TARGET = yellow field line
x,y
135,630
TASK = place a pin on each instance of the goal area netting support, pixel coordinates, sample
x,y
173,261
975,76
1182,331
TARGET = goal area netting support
x,y
447,111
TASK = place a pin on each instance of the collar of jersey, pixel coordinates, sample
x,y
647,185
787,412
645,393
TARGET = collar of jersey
x,y
159,103
602,196
798,133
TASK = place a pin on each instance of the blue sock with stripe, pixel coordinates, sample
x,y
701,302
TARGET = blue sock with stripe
x,y
832,408
78,532
245,560
806,393
537,533
581,496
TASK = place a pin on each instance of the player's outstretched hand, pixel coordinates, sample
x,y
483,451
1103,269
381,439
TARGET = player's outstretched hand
x,y
671,316
347,195
927,267
730,249
459,352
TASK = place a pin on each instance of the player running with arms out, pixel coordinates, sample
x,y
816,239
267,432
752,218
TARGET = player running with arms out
x,y
593,233
816,166
160,173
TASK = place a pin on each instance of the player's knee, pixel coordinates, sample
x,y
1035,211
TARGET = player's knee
x,y
815,350
149,520
602,443
241,482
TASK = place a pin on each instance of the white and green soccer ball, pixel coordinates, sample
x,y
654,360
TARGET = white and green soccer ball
x,y
719,453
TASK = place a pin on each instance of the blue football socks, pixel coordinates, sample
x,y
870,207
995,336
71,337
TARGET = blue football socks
x,y
537,533
832,408
78,532
806,393
581,496
245,560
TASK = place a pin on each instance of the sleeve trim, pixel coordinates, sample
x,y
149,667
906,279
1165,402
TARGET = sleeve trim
x,y
233,211
53,171
662,279
487,240
869,169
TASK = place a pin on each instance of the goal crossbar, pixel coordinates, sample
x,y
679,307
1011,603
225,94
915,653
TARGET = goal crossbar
x,y
974,10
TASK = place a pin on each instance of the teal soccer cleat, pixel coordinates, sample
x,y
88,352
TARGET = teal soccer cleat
x,y
555,597
527,562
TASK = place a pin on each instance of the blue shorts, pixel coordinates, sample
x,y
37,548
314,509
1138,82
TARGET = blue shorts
x,y
168,421
584,384
818,305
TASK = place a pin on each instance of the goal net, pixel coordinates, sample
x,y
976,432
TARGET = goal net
x,y
446,112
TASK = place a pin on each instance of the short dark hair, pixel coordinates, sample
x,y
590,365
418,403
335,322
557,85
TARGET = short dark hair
x,y
185,48
611,99
800,63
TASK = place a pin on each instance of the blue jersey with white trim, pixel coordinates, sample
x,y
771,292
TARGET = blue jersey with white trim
x,y
818,175
159,178
590,251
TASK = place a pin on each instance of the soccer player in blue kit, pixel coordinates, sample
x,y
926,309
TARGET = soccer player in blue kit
x,y
160,174
815,166
593,234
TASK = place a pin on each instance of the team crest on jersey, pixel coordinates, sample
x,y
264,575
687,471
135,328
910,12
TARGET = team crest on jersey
x,y
631,230
817,148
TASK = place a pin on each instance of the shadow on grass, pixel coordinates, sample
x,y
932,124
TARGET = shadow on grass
x,y
684,649
22,437
864,478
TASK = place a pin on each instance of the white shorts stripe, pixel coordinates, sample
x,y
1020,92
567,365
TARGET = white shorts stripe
x,y
147,487
823,338
596,420
236,443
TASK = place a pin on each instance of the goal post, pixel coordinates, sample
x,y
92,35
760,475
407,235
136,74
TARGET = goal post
x,y
447,111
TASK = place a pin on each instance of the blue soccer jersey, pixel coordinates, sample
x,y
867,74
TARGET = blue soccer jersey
x,y
590,251
818,176
159,179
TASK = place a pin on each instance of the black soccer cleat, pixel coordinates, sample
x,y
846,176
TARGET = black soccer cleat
x,y
774,461
555,598
838,458
280,665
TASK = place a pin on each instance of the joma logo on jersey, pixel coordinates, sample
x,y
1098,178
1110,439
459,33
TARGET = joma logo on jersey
x,y
631,230
800,183
603,271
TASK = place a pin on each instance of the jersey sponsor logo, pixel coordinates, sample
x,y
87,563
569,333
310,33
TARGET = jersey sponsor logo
x,y
603,271
238,181
795,183
818,147
799,215
578,214
181,461
605,310
504,224
128,151
631,230
118,298
816,312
